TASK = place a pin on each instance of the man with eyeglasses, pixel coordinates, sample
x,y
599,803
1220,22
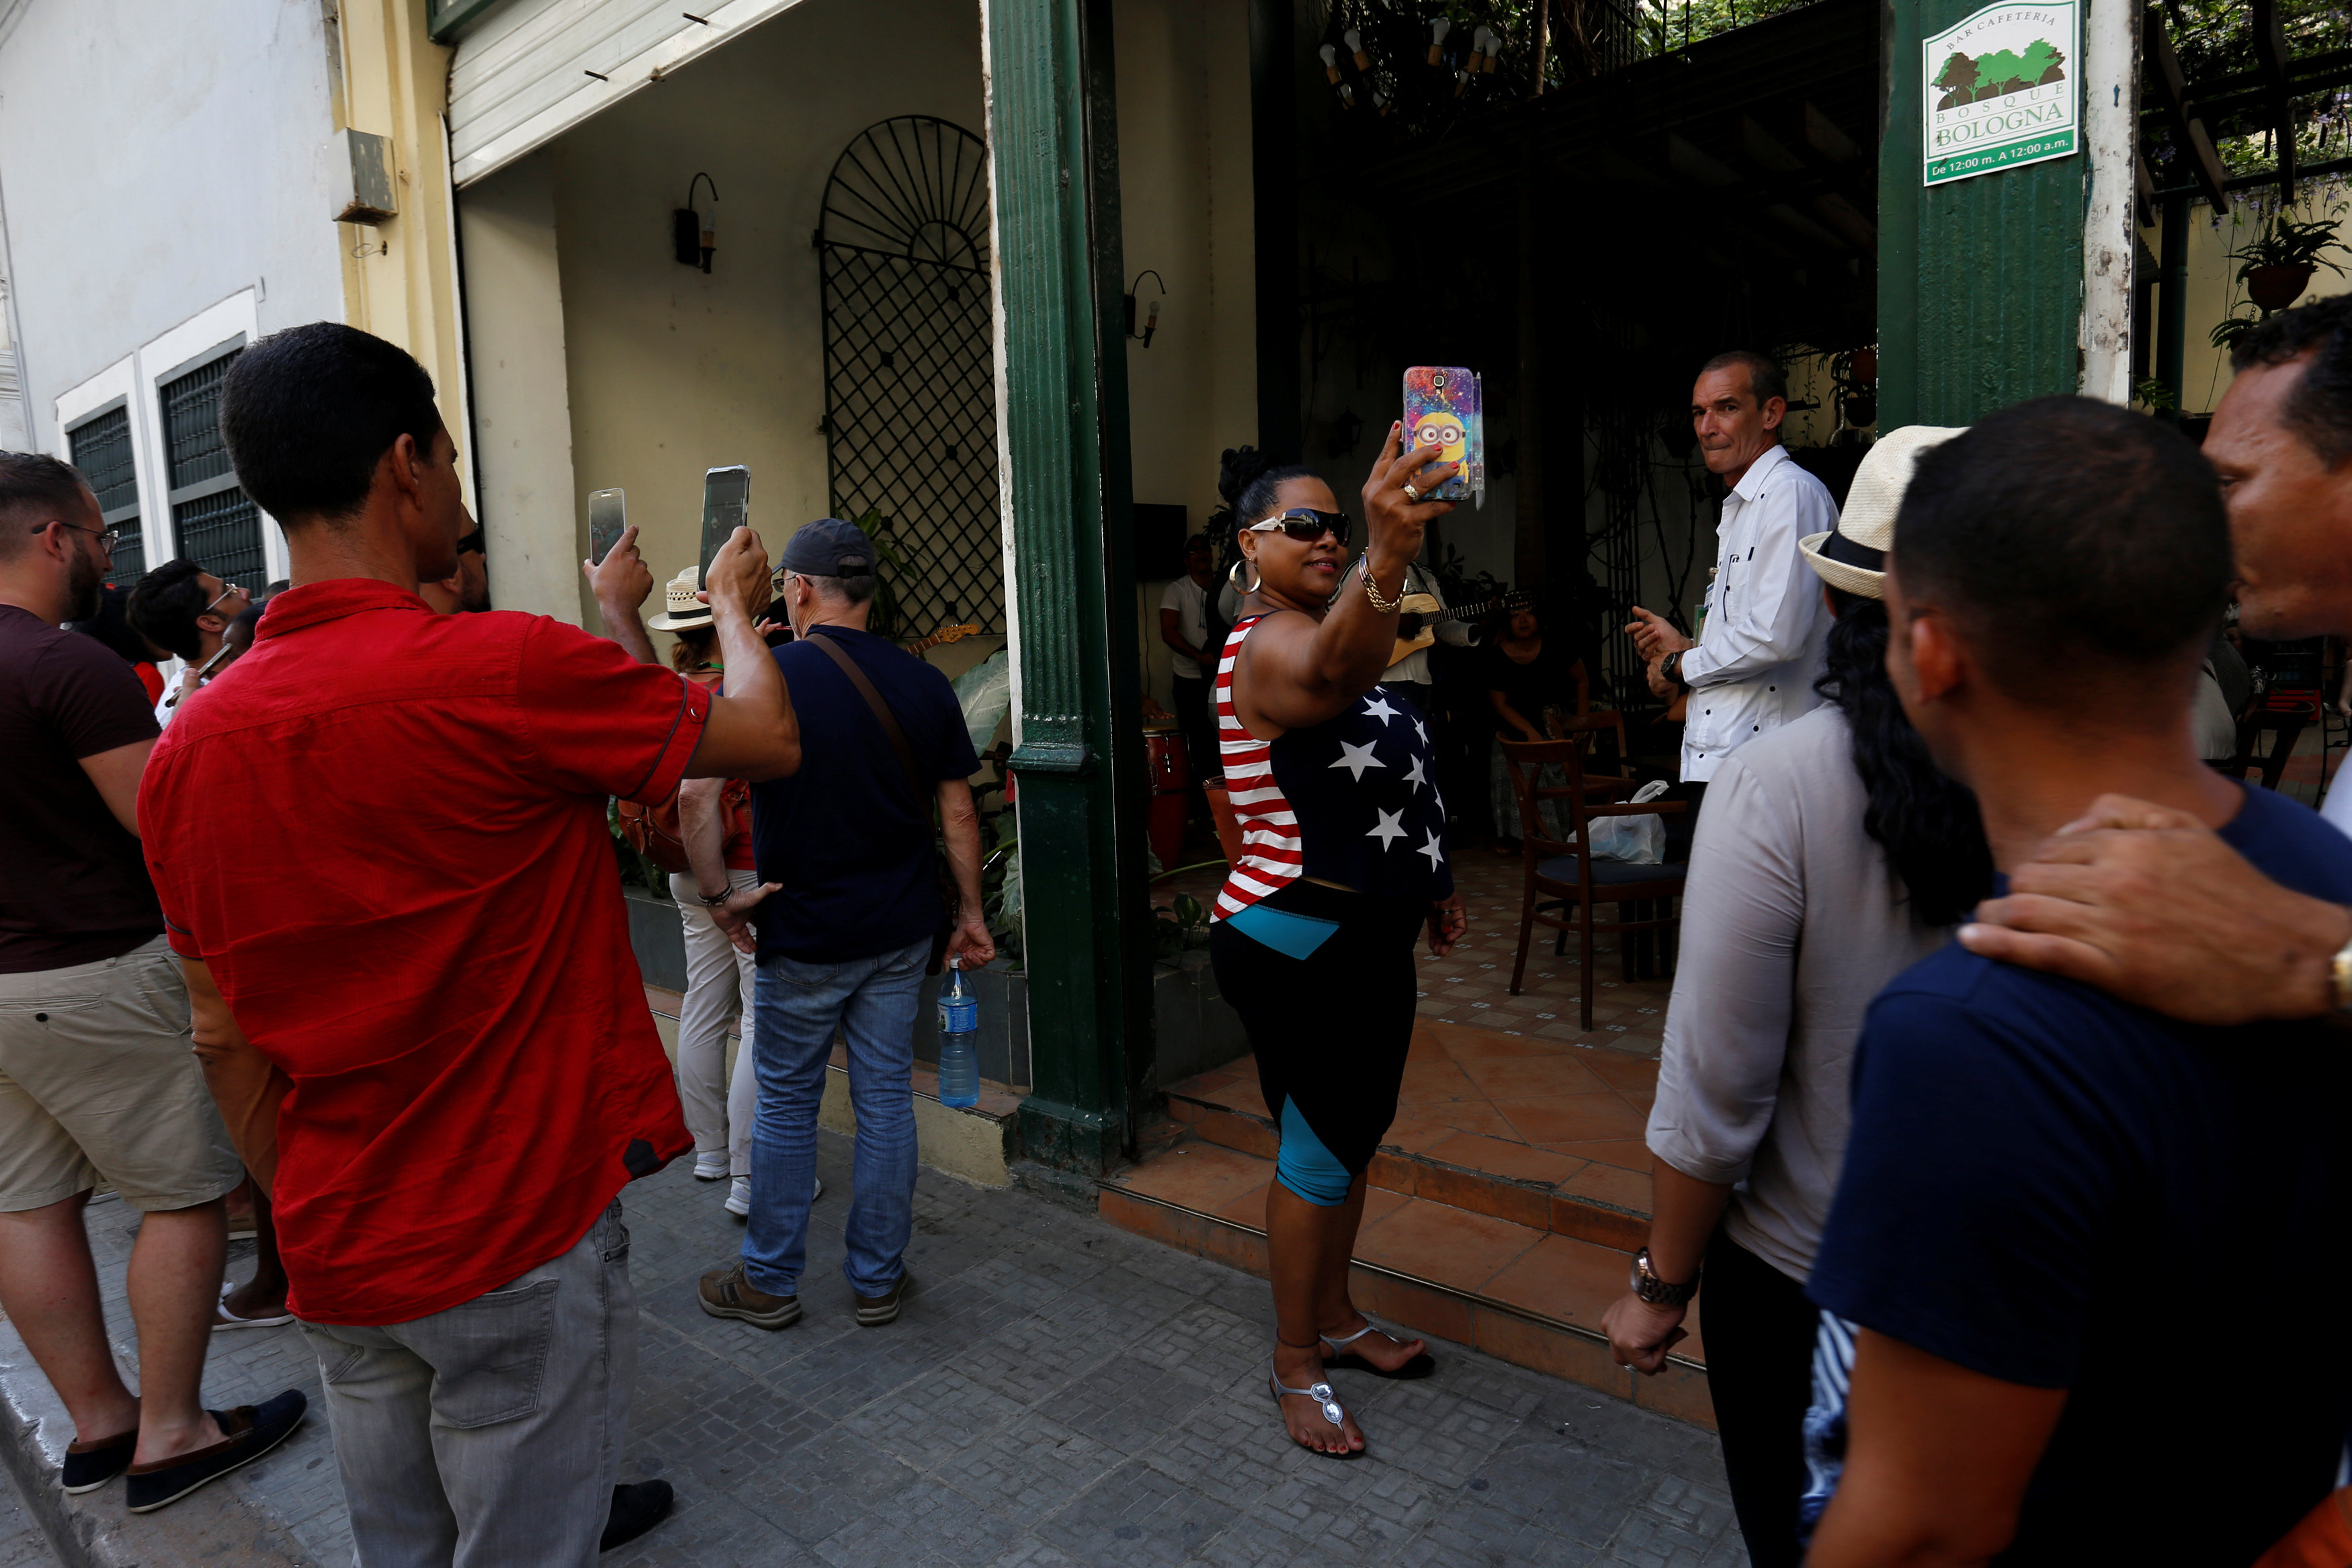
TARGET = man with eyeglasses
x,y
181,607
97,1081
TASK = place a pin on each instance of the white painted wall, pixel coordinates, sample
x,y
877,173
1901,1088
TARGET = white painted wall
x,y
159,160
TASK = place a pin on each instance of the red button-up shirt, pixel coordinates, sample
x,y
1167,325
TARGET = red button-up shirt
x,y
384,830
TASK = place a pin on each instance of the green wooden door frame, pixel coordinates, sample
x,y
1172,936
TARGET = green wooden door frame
x,y
1053,135
1980,281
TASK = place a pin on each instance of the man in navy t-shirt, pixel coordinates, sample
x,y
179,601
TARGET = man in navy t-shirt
x,y
2066,1277
844,940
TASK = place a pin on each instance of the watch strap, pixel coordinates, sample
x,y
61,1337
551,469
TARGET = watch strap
x,y
1656,1292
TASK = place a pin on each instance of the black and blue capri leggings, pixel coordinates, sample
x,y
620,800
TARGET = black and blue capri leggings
x,y
1324,981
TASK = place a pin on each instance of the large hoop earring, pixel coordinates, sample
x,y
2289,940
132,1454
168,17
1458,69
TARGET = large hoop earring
x,y
1234,575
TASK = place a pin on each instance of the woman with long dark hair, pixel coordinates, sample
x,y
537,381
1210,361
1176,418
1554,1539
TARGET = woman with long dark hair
x,y
1343,866
1832,854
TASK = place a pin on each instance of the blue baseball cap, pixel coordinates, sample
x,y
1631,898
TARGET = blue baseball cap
x,y
829,547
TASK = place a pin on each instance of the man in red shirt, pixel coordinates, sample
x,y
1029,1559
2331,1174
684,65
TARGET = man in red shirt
x,y
447,982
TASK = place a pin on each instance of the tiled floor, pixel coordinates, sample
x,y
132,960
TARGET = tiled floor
x,y
1471,984
1525,1107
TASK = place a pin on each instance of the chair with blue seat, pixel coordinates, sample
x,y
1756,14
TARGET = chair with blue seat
x,y
1565,884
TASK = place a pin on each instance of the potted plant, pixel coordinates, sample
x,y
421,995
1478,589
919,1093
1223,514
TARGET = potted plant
x,y
2277,265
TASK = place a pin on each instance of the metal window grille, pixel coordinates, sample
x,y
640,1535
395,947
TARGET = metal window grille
x,y
101,450
214,522
909,362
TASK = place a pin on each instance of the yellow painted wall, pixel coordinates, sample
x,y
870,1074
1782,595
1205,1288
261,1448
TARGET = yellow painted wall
x,y
2213,288
400,278
1184,195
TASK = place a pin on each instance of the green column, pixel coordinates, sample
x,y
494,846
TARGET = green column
x,y
1980,281
1079,764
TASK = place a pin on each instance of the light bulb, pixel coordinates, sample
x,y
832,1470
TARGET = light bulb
x,y
1331,64
1346,95
1354,40
1437,31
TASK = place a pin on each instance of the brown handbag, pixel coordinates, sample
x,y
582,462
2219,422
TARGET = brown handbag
x,y
950,898
655,832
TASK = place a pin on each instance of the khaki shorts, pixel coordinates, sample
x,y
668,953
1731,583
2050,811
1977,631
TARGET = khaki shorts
x,y
97,1081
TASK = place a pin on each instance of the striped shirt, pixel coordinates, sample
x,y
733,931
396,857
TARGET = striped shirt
x,y
1352,802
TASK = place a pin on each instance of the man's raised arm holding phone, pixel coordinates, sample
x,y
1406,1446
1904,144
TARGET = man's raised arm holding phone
x,y
751,732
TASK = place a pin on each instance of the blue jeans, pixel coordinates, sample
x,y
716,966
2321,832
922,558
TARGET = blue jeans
x,y
872,1002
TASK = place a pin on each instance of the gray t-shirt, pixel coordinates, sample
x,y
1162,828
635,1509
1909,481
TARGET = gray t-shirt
x,y
1793,923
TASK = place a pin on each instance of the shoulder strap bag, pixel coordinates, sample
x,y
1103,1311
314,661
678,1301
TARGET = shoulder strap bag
x,y
950,899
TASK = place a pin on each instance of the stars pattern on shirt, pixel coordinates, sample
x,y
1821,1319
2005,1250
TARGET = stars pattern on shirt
x,y
1389,828
1355,758
1434,850
1415,775
1377,707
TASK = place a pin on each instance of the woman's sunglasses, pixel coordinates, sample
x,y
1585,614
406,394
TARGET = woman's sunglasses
x,y
1305,525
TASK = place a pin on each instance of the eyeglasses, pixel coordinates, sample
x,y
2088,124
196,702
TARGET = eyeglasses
x,y
106,537
226,588
1304,524
472,542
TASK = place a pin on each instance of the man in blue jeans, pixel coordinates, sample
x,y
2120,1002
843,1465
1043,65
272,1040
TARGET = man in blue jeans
x,y
844,941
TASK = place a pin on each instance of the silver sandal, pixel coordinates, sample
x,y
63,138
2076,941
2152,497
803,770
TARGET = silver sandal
x,y
1321,1394
1412,1371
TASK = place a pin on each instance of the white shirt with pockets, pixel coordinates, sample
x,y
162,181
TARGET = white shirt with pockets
x,y
1762,647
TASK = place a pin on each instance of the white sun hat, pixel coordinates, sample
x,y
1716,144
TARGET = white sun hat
x,y
1852,556
681,610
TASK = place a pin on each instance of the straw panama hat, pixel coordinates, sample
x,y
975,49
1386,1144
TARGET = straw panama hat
x,y
681,610
1853,558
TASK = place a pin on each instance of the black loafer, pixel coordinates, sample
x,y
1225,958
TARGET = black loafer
x,y
637,1507
248,1432
90,1465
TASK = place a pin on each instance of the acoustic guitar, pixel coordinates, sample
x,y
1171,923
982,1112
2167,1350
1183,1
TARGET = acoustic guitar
x,y
944,635
1416,626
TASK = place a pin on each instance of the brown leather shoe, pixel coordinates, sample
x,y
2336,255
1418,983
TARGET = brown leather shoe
x,y
873,1311
727,1294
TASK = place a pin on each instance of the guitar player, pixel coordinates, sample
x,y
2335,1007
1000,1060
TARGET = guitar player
x,y
1410,674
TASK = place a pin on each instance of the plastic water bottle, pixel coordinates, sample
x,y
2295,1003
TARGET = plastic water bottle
x,y
958,1034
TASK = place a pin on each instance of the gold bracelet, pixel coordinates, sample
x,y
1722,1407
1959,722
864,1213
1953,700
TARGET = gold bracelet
x,y
2340,974
1372,589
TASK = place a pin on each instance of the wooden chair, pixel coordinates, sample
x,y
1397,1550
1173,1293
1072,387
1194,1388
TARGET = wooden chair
x,y
1562,876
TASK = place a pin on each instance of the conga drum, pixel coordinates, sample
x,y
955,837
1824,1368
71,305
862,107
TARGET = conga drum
x,y
1168,772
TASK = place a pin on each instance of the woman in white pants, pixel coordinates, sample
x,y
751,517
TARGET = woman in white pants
x,y
719,976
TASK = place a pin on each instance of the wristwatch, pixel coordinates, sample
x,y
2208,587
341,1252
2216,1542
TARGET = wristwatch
x,y
2339,976
1656,1292
1672,668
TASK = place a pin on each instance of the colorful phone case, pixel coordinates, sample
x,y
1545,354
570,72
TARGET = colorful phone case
x,y
1442,407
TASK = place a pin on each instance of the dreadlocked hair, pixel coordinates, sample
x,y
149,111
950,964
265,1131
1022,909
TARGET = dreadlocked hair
x,y
1927,821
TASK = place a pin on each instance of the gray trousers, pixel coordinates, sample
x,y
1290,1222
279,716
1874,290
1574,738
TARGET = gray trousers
x,y
490,1435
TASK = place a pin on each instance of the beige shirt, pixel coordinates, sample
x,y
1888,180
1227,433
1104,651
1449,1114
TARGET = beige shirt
x,y
1793,923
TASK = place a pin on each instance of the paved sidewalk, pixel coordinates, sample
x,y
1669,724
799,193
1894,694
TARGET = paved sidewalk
x,y
1057,1392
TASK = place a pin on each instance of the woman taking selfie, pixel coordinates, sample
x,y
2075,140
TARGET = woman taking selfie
x,y
1343,865
1834,853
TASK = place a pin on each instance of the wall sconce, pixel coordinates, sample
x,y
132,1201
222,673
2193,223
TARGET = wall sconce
x,y
1151,320
694,236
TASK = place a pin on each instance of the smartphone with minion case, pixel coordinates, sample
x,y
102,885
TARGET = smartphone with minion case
x,y
1443,408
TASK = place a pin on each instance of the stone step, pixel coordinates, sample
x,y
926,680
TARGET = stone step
x,y
1529,1294
1589,1199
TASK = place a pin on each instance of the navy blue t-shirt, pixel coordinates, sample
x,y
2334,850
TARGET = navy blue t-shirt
x,y
844,835
2056,1189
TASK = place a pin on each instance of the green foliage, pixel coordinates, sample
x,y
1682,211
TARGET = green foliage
x,y
1177,927
890,561
2231,329
2285,242
2214,40
2153,394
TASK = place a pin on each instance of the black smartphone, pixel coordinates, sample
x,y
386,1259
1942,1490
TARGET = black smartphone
x,y
608,515
726,506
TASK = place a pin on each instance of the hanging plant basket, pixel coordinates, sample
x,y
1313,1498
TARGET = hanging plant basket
x,y
2277,287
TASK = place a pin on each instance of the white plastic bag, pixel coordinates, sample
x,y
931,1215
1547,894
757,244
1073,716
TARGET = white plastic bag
x,y
1637,840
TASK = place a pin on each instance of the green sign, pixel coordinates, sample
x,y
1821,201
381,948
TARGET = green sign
x,y
2000,89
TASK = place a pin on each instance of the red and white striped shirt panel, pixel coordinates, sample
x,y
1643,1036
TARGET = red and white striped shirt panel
x,y
1271,855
